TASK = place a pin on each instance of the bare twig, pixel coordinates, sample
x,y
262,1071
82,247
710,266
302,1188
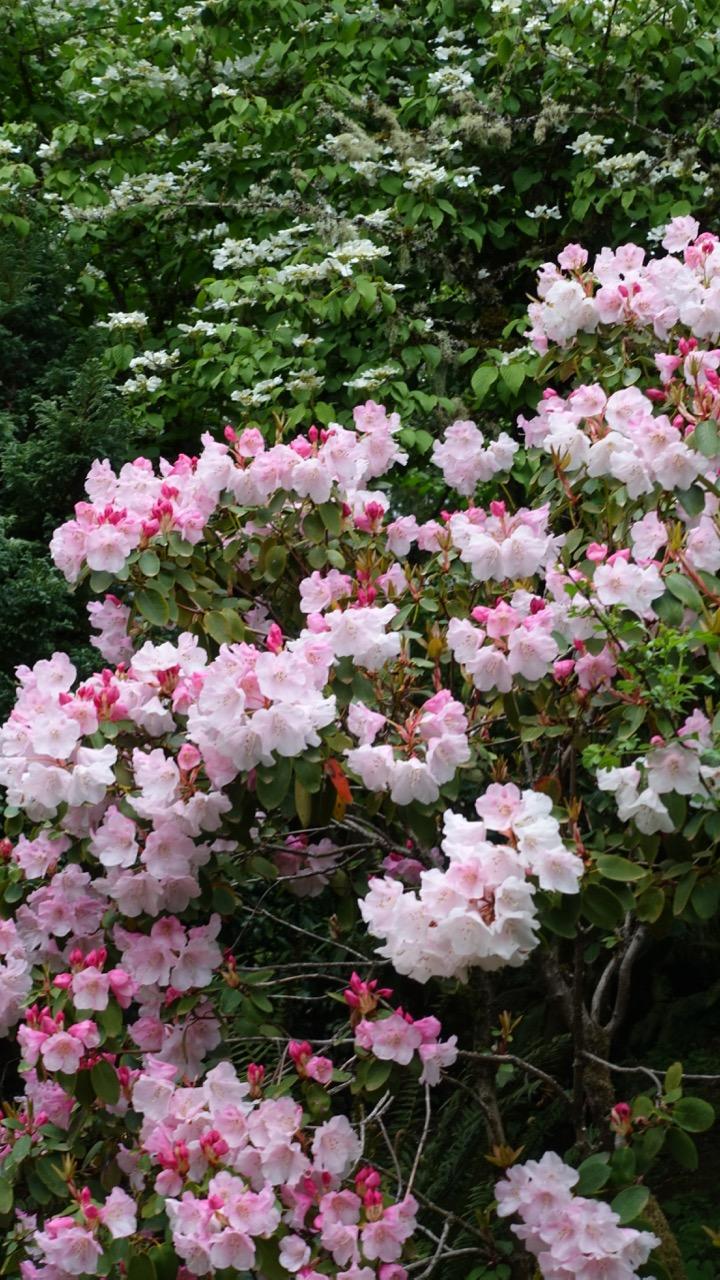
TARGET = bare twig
x,y
655,1073
423,1140
622,994
512,1060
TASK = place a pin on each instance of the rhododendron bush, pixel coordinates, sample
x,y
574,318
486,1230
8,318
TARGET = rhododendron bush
x,y
430,760
169,262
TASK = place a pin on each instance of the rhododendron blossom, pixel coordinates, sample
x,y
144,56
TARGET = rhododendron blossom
x,y
569,1234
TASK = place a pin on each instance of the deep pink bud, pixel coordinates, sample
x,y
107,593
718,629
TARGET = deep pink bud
x,y
188,757
274,638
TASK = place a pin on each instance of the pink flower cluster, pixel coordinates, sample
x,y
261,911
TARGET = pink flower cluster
x,y
397,1037
480,910
667,767
111,619
432,744
251,704
262,1178
47,1039
73,1246
499,546
622,288
619,436
466,461
571,1237
128,511
513,639
90,987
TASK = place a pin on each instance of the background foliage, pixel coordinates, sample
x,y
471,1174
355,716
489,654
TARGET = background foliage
x,y
291,214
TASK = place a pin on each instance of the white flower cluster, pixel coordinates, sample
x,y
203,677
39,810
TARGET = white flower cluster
x,y
590,145
155,360
480,911
371,379
676,767
235,254
261,393
451,80
124,320
568,1234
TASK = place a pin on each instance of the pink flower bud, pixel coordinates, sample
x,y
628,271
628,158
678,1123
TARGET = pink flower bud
x,y
274,638
563,668
188,757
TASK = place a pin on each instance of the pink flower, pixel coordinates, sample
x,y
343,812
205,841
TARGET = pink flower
x,y
294,1253
62,1052
119,1214
90,989
335,1146
68,1246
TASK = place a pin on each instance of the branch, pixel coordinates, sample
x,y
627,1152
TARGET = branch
x,y
655,1073
423,1140
557,987
622,995
449,1253
512,1060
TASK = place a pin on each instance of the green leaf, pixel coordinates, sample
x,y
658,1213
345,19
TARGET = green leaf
x,y
668,609
303,803
612,867
376,1074
275,562
694,1114
105,1082
630,1203
685,591
50,1174
149,563
165,1262
683,892
141,1267
692,499
706,439
266,1260
513,375
367,290
153,606
482,380
594,1173
225,626
622,1162
682,1149
20,1150
602,907
673,1077
6,1196
331,516
648,1145
561,917
650,905
706,898
273,783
